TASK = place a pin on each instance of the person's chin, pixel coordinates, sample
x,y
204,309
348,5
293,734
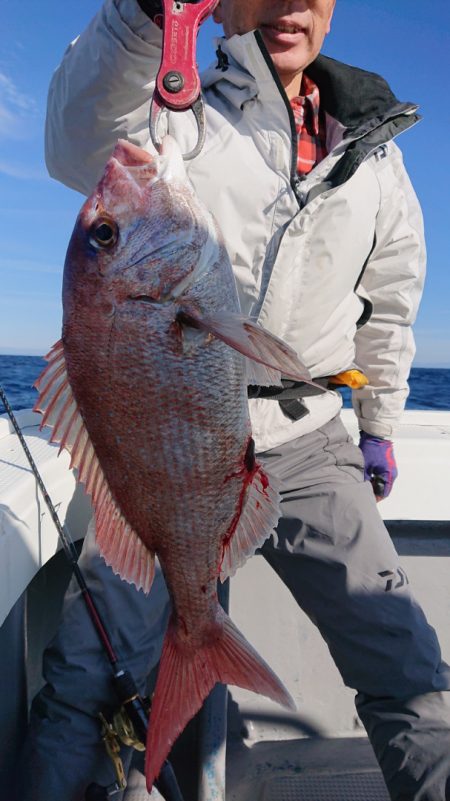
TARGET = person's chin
x,y
289,63
288,53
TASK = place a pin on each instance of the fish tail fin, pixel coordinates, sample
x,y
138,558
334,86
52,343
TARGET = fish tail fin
x,y
187,676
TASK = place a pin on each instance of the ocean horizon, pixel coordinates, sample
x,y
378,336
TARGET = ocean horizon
x,y
429,386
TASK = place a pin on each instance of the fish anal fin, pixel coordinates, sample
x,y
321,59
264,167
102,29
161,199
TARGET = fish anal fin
x,y
186,677
259,515
122,549
120,546
250,339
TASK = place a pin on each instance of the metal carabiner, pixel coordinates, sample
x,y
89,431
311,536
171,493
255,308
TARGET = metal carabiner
x,y
178,83
158,110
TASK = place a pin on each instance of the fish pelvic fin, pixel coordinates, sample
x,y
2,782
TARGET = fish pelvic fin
x,y
258,517
186,677
119,544
253,341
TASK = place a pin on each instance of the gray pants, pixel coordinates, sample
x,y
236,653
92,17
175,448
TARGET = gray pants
x,y
332,547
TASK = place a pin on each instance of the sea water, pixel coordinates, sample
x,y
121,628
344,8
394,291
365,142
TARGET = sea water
x,y
429,387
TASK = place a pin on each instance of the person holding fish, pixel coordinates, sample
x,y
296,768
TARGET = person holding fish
x,y
322,231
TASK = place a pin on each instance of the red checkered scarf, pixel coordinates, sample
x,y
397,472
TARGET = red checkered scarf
x,y
310,125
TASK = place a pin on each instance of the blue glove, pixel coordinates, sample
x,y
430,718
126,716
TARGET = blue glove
x,y
380,466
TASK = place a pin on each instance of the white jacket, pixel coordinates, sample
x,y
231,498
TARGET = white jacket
x,y
313,259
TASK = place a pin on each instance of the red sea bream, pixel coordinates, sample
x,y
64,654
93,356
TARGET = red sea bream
x,y
147,389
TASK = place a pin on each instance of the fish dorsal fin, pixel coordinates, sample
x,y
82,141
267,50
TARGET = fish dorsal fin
x,y
119,544
249,338
259,515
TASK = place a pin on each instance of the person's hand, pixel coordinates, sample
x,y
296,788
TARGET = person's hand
x,y
153,9
380,466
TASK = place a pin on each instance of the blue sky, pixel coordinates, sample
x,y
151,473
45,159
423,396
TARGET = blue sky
x,y
404,40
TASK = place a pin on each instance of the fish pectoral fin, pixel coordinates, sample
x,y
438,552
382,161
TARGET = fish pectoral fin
x,y
250,339
259,515
119,545
262,376
186,677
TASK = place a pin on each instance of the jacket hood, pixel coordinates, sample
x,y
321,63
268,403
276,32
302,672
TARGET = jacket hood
x,y
241,72
359,100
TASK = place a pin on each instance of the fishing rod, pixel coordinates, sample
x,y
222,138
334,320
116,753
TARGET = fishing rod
x,y
125,686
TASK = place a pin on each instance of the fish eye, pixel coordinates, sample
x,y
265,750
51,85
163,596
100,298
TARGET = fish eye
x,y
104,233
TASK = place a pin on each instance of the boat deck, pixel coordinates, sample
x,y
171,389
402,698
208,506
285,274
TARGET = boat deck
x,y
335,769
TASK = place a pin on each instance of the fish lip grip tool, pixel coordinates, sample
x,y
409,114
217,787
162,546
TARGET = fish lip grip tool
x,y
178,83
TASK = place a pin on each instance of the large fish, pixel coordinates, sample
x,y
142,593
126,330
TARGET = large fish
x,y
147,390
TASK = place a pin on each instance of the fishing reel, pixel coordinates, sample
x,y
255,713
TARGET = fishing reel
x,y
115,733
127,727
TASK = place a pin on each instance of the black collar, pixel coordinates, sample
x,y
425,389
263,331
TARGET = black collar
x,y
353,96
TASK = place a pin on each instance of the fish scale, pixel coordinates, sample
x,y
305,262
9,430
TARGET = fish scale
x,y
148,391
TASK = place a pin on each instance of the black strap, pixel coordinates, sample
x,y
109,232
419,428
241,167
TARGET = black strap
x,y
295,409
290,390
290,395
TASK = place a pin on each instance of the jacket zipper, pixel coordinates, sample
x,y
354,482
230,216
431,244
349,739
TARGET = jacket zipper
x,y
294,179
